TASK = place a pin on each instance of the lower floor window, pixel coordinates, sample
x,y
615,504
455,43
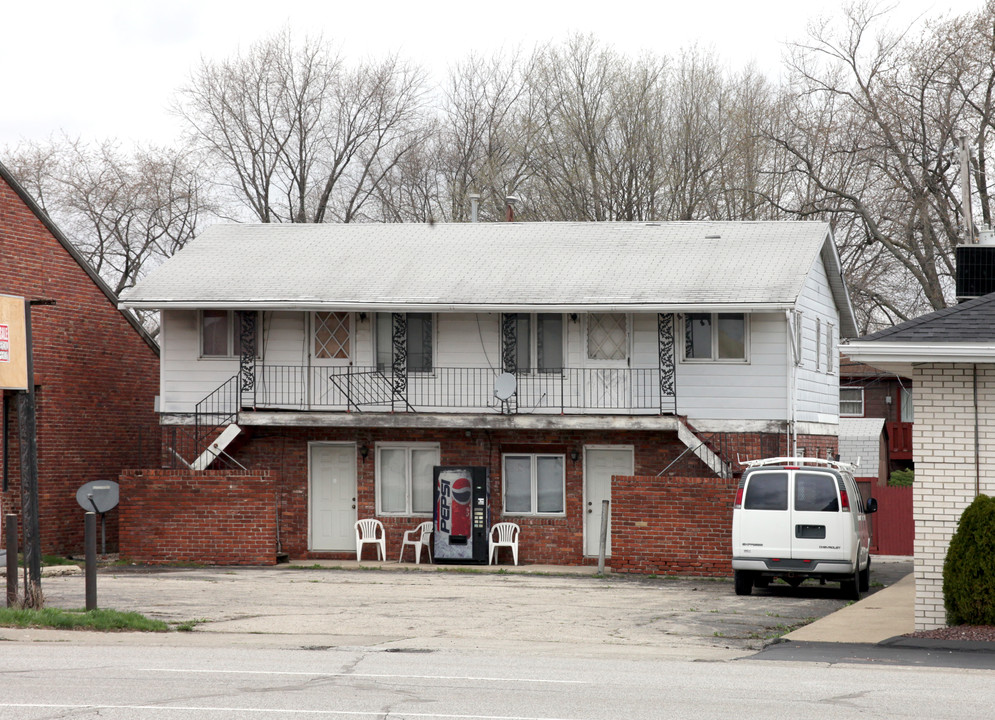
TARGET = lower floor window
x,y
404,478
533,484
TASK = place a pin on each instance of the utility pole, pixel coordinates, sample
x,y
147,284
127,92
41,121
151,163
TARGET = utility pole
x,y
26,423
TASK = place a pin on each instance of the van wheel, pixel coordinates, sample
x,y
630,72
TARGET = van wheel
x,y
851,586
744,581
865,577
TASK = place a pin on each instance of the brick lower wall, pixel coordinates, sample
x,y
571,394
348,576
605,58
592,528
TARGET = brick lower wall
x,y
672,526
943,438
213,517
677,514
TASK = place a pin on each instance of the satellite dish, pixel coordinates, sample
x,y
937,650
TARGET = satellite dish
x,y
98,496
505,386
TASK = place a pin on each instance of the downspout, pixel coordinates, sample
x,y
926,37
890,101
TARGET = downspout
x,y
977,443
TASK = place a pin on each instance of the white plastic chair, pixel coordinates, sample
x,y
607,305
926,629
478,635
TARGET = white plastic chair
x,y
371,531
507,536
424,533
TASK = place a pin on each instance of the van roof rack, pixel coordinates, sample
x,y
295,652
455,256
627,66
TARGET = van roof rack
x,y
807,461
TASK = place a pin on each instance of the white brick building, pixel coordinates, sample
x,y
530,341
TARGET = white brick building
x,y
950,356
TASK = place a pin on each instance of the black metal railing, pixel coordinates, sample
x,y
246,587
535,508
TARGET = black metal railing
x,y
571,390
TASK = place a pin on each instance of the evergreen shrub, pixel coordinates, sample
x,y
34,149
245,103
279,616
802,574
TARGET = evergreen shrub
x,y
901,478
969,570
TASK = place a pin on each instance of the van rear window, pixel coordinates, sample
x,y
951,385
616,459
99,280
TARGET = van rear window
x,y
767,491
816,492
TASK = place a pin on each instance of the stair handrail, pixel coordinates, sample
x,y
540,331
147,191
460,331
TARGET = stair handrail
x,y
223,403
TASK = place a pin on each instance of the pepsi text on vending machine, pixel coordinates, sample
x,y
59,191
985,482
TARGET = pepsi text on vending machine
x,y
461,515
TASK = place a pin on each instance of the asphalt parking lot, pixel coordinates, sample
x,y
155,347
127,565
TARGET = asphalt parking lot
x,y
403,608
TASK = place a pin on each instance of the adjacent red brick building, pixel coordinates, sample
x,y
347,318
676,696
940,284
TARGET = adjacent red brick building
x,y
95,372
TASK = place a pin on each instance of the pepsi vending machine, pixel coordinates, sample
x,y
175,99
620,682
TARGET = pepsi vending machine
x,y
461,519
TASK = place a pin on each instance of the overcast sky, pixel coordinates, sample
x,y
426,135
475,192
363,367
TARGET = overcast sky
x,y
109,69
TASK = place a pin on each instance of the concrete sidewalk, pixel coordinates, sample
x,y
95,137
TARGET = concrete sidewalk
x,y
886,614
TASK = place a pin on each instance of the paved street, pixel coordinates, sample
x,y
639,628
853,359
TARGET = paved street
x,y
576,615
288,643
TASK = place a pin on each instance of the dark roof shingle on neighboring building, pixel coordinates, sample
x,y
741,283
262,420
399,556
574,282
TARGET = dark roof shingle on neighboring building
x,y
972,321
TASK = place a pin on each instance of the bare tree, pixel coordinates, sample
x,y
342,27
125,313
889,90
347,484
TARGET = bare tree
x,y
871,131
296,135
124,212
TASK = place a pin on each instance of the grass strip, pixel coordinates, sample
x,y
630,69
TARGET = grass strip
x,y
100,620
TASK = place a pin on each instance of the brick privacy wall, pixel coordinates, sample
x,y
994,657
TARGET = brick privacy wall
x,y
943,438
95,375
548,540
215,517
672,526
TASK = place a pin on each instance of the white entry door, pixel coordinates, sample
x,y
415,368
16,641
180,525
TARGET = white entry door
x,y
600,463
332,497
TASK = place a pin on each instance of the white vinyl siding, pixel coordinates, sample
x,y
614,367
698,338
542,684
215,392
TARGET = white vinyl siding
x,y
817,388
754,390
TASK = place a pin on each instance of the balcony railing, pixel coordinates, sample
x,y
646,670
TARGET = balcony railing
x,y
448,389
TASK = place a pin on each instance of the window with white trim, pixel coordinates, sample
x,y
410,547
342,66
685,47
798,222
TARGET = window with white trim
x,y
715,336
798,328
830,359
852,402
534,484
404,478
538,342
818,344
219,334
420,340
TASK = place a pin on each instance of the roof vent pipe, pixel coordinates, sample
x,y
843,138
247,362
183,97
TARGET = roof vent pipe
x,y
474,200
509,204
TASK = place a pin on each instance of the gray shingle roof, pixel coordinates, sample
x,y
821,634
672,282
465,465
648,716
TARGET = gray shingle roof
x,y
972,321
654,266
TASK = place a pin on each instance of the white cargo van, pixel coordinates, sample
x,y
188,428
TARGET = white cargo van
x,y
798,518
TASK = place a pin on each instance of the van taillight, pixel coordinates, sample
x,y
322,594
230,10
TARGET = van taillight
x,y
739,497
844,500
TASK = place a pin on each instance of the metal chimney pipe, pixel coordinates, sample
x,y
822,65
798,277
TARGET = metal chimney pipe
x,y
474,200
509,204
965,192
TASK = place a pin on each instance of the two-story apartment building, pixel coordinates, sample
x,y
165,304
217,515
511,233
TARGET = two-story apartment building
x,y
349,360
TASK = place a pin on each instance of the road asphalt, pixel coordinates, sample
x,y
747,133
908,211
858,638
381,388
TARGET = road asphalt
x,y
567,610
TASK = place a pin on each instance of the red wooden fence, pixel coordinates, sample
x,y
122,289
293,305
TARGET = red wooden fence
x,y
894,527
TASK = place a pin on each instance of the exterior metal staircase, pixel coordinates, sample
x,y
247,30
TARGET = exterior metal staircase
x,y
700,448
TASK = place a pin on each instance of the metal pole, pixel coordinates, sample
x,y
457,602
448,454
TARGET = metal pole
x,y
90,543
604,536
11,525
26,419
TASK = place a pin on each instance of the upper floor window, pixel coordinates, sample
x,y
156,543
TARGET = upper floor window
x,y
715,336
906,410
332,335
538,342
419,341
830,349
219,334
852,401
